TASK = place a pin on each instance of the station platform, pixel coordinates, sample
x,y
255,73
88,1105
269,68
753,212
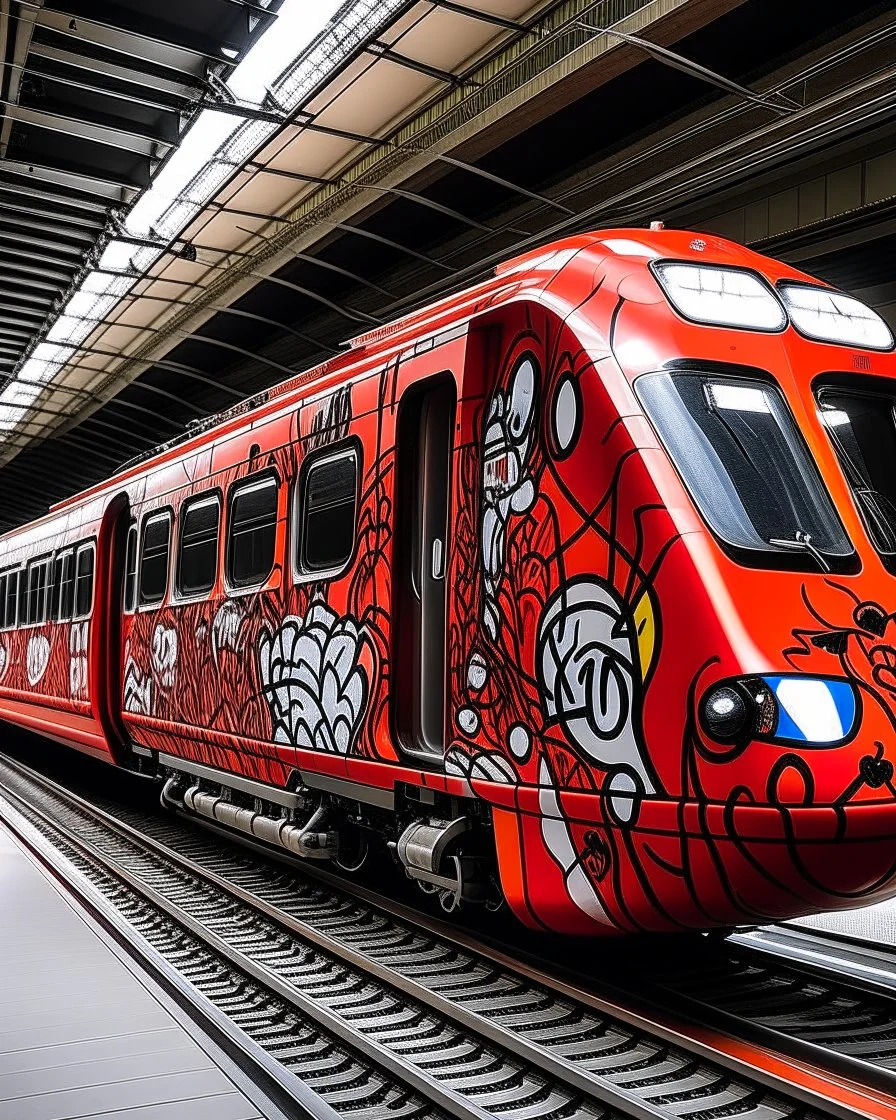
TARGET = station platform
x,y
875,925
84,1033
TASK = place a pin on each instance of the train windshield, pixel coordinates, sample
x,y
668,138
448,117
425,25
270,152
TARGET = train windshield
x,y
862,427
738,449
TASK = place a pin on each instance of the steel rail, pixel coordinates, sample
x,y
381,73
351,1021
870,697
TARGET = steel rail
x,y
812,950
566,1068
291,1096
446,1099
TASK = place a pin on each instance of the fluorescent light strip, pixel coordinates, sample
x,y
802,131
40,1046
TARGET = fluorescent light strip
x,y
204,160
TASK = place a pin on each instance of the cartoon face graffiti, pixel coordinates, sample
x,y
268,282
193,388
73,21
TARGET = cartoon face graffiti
x,y
867,649
507,486
588,665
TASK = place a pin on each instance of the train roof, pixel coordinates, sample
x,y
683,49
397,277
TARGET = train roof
x,y
542,263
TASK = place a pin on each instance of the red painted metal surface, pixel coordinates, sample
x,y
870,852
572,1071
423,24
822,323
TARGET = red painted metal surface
x,y
613,810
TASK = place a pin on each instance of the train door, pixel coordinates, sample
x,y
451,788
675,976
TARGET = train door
x,y
105,642
423,474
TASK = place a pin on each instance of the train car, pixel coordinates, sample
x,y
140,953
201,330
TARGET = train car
x,y
576,589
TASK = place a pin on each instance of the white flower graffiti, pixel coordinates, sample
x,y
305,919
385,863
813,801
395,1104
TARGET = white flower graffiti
x,y
164,656
137,690
77,664
37,658
587,661
4,660
227,627
507,487
313,680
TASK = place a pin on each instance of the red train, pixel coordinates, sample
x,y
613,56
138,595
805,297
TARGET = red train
x,y
574,588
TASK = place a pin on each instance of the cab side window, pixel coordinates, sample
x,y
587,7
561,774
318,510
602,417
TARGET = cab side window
x,y
154,554
252,532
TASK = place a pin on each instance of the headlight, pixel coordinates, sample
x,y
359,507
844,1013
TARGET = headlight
x,y
724,297
810,711
830,316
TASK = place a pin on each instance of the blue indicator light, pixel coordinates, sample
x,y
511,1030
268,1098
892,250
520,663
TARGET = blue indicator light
x,y
813,709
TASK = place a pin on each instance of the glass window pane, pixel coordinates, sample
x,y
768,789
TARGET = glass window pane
x,y
57,586
329,501
252,533
154,558
37,587
84,582
198,560
67,589
3,582
130,570
741,455
11,606
862,428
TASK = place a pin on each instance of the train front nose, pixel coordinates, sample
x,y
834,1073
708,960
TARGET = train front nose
x,y
810,812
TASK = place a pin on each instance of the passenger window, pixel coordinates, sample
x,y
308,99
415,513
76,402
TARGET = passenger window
x,y
84,582
3,584
63,587
11,601
197,561
130,570
67,588
252,532
154,558
328,500
38,577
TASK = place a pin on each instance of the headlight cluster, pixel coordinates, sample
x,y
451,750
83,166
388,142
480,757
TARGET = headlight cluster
x,y
724,297
834,317
809,711
735,297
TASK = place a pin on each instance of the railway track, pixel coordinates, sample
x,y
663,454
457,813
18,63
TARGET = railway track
x,y
380,1015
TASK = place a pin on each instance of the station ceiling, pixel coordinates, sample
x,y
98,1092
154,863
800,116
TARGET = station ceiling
x,y
397,159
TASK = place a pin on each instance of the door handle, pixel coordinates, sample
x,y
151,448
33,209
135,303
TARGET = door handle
x,y
438,558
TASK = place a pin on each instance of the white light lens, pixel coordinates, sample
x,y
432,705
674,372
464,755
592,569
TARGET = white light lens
x,y
723,297
736,398
834,417
832,316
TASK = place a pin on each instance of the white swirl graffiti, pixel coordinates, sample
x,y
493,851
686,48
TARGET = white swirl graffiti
x,y
137,690
227,628
313,680
164,656
37,658
77,664
507,487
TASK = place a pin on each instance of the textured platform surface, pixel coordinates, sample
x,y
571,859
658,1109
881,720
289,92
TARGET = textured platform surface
x,y
81,1035
875,924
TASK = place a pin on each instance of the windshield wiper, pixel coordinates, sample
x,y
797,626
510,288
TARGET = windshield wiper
x,y
803,542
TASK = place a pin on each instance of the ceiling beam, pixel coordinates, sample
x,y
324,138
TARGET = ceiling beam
x,y
381,50
55,247
13,217
130,139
